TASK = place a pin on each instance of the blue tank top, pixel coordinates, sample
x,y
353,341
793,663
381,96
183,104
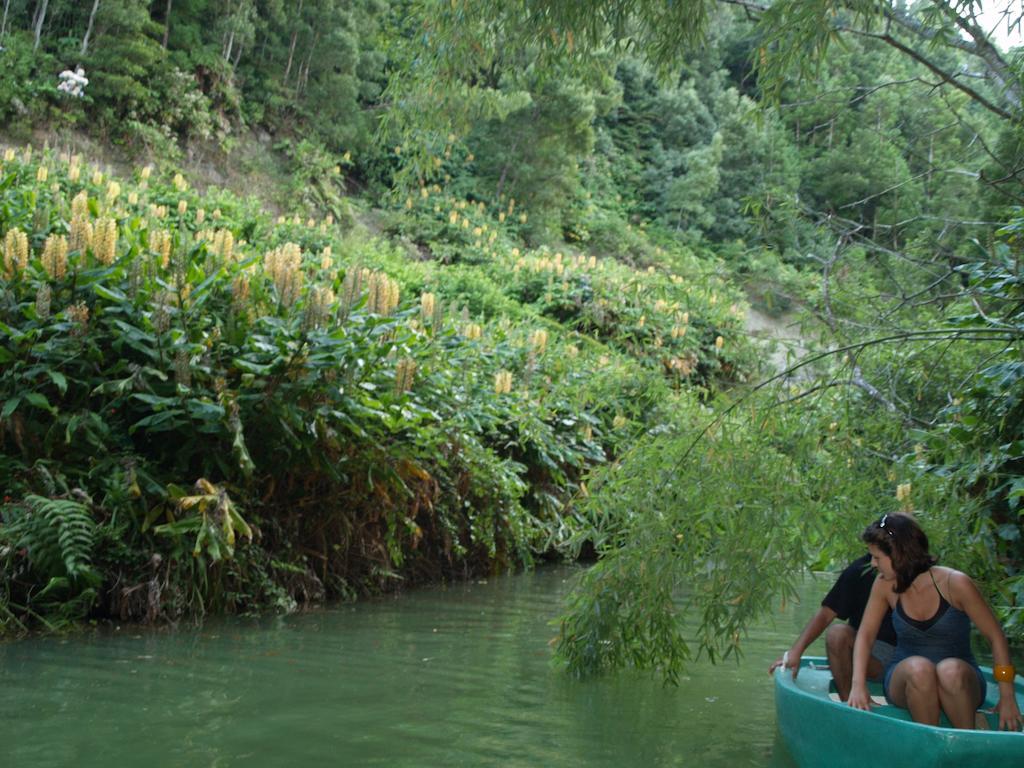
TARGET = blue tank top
x,y
945,635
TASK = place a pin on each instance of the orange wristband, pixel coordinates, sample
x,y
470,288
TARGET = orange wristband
x,y
1004,673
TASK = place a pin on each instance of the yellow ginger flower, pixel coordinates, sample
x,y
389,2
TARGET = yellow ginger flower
x,y
97,177
179,182
224,244
392,296
473,331
326,262
200,215
903,496
79,315
427,304
80,236
382,296
160,244
502,382
719,342
539,340
15,252
145,172
104,243
55,256
42,174
283,267
240,290
9,154
80,204
182,207
405,373
216,213
133,198
74,172
113,191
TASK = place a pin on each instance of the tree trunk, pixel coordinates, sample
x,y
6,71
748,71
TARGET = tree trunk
x,y
304,76
291,48
39,19
88,29
229,46
3,24
167,22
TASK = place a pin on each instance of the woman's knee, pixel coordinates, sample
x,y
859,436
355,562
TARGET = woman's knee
x,y
919,672
955,675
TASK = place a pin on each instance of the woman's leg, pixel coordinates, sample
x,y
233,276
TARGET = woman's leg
x,y
914,685
958,691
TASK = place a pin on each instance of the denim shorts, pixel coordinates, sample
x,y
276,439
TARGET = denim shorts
x,y
883,651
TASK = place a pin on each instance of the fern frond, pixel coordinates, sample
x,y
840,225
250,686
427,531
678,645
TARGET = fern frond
x,y
60,536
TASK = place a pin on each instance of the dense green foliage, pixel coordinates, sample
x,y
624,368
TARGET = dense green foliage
x,y
542,350
171,388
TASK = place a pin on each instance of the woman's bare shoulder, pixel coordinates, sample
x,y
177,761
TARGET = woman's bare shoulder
x,y
959,586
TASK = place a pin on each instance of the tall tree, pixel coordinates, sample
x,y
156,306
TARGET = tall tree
x,y
88,29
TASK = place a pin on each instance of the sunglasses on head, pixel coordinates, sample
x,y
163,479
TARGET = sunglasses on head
x,y
881,524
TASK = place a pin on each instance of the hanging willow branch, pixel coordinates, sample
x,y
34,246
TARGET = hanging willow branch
x,y
950,334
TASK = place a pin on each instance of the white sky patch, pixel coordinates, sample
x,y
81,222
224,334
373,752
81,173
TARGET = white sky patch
x,y
993,20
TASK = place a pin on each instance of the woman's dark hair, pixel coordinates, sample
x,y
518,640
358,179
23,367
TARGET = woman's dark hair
x,y
901,538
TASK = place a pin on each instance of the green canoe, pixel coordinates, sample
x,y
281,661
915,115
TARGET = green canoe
x,y
817,730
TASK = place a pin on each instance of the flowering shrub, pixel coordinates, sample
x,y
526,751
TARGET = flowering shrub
x,y
257,413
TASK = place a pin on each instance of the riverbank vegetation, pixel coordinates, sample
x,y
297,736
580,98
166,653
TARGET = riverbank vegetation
x,y
491,308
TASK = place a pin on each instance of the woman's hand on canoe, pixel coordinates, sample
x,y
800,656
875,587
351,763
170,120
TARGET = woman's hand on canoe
x,y
1010,718
859,698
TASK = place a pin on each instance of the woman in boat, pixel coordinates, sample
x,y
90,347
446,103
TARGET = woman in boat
x,y
933,669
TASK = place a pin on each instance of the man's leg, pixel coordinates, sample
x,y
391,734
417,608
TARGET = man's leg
x,y
839,639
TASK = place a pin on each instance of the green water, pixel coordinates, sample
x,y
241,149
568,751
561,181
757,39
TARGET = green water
x,y
455,676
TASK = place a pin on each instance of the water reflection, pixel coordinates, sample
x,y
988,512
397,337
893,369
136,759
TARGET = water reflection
x,y
455,676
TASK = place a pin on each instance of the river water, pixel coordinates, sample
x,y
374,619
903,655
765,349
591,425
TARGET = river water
x,y
446,676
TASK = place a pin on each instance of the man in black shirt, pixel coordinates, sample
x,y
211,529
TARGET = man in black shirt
x,y
845,601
